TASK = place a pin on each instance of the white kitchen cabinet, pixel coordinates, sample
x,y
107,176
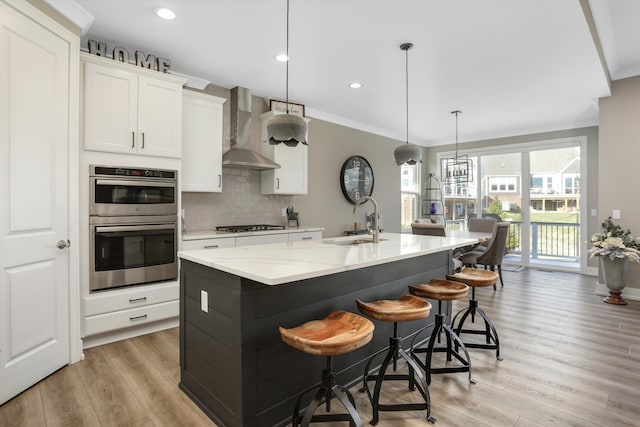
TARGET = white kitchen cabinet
x,y
306,235
261,239
291,177
201,142
129,109
223,242
133,306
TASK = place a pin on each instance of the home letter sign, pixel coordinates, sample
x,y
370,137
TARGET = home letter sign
x,y
122,55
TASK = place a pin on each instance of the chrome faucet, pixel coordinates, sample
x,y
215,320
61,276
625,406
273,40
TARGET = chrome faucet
x,y
376,231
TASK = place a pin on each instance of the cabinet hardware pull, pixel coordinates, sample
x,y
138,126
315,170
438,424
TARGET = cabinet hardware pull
x,y
211,246
135,300
219,180
307,238
142,139
144,316
277,183
133,139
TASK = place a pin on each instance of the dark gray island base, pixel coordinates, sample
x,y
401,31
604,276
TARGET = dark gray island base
x,y
233,363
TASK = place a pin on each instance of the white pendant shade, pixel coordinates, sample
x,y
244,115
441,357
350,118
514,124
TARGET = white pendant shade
x,y
408,153
288,129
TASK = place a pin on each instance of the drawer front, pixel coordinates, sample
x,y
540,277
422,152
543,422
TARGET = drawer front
x,y
133,317
307,235
260,240
225,242
139,296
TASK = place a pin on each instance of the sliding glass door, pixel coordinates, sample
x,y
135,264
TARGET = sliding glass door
x,y
536,187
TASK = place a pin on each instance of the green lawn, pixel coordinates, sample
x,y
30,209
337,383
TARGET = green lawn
x,y
545,216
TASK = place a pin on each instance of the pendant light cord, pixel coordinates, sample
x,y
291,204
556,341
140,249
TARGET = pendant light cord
x,y
456,113
287,73
406,72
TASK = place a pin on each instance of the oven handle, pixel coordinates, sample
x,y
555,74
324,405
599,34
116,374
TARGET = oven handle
x,y
119,228
134,183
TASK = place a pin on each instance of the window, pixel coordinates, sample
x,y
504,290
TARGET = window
x,y
571,184
502,184
410,194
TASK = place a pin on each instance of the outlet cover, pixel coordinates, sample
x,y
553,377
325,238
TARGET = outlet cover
x,y
204,301
615,214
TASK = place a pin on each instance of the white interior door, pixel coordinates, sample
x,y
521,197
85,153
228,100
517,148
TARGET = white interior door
x,y
34,135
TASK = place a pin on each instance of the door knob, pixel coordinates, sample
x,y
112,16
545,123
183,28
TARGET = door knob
x,y
63,244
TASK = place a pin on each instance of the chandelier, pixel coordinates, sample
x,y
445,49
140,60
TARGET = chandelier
x,y
457,169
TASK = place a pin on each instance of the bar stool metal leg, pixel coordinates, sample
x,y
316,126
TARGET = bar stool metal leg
x,y
489,332
453,347
326,390
415,379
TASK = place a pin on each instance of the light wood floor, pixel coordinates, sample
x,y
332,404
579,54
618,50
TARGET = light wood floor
x,y
569,360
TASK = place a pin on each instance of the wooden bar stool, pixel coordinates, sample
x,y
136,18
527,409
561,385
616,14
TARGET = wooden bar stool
x,y
338,333
442,290
404,309
476,278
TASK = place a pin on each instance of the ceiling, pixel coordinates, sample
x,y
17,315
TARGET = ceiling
x,y
511,67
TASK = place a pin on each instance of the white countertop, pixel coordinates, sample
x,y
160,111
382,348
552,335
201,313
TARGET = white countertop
x,y
279,263
212,234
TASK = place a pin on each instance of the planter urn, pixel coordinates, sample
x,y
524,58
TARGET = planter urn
x,y
614,274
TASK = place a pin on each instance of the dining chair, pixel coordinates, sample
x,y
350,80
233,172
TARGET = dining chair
x,y
492,256
428,229
481,225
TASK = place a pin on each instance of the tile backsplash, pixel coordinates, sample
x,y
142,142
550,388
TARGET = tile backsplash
x,y
239,203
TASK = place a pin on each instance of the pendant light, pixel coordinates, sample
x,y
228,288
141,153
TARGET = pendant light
x,y
289,129
456,169
407,153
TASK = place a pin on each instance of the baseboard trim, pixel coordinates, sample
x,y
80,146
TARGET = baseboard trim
x,y
627,293
118,335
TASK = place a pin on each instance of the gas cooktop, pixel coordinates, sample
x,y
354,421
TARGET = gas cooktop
x,y
253,227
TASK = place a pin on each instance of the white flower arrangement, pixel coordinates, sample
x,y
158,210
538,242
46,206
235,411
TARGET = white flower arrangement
x,y
613,242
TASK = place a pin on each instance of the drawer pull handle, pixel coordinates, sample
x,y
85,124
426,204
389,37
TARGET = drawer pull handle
x,y
307,238
211,246
135,300
144,316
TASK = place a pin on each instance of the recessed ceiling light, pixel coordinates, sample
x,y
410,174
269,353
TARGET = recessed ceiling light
x,y
282,57
355,85
165,13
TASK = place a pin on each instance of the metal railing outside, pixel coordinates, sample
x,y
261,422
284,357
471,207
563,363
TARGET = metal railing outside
x,y
557,241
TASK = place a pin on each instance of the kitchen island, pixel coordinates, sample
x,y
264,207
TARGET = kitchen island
x,y
232,300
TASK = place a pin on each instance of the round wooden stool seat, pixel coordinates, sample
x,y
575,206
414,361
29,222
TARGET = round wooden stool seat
x,y
338,333
442,290
404,309
475,277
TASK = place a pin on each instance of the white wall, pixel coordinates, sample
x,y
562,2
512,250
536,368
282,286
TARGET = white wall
x,y
619,159
325,205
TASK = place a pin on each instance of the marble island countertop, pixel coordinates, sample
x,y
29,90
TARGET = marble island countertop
x,y
278,263
213,234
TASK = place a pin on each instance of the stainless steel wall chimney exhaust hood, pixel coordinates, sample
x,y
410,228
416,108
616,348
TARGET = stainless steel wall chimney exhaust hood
x,y
240,156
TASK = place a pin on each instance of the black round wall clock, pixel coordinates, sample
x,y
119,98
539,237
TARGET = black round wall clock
x,y
356,178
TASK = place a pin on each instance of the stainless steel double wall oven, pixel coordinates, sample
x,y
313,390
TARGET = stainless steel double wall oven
x,y
133,226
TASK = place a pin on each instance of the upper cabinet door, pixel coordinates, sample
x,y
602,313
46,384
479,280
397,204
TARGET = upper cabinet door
x,y
159,118
202,142
291,177
110,109
128,109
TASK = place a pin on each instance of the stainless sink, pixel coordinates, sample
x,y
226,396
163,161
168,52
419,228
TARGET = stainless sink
x,y
351,242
